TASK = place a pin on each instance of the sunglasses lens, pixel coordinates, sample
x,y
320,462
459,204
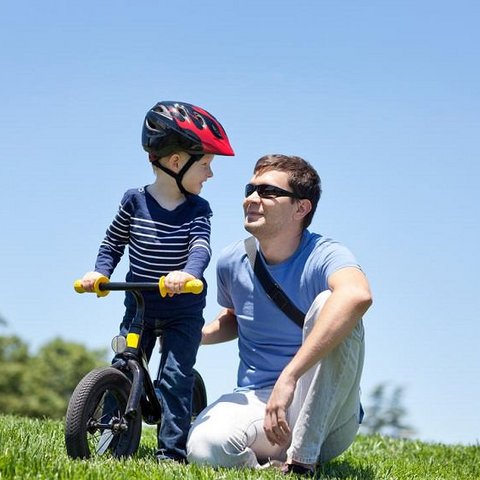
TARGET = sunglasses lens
x,y
269,191
249,189
263,191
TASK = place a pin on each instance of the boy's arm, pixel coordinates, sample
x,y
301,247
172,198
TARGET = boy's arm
x,y
199,250
113,245
110,251
223,329
198,259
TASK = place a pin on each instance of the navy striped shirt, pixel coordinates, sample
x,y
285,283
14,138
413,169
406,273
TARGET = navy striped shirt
x,y
159,241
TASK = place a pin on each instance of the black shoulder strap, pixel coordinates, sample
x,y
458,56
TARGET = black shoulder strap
x,y
274,291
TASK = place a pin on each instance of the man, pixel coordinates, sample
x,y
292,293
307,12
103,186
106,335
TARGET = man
x,y
297,399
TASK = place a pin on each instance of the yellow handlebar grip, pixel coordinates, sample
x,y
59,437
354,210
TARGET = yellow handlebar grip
x,y
77,285
96,286
194,286
191,286
161,287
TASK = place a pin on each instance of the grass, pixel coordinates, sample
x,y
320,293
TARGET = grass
x,y
34,449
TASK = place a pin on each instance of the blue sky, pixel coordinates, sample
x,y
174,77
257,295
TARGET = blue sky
x,y
381,97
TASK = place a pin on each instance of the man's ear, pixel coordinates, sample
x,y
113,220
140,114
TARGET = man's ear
x,y
304,207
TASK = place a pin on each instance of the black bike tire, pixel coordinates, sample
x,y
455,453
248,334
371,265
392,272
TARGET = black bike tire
x,y
83,402
199,395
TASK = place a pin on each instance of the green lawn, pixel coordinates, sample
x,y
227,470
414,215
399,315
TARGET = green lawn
x,y
34,449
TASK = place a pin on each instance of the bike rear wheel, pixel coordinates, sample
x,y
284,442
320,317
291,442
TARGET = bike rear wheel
x,y
199,395
95,422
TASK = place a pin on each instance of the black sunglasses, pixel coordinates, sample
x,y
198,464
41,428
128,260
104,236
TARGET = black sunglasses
x,y
268,191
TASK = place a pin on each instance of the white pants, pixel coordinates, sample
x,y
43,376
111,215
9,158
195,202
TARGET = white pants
x,y
324,415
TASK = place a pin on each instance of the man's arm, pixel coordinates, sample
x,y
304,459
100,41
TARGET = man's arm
x,y
349,301
223,329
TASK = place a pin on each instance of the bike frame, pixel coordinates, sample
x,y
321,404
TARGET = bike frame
x,y
134,361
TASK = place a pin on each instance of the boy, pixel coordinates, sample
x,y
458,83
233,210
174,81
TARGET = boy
x,y
166,226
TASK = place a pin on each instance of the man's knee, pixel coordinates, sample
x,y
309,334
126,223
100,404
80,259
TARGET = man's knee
x,y
219,448
206,447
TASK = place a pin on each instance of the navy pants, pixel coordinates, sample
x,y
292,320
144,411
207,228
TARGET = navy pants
x,y
181,335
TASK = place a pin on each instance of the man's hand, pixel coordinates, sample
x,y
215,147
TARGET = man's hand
x,y
275,424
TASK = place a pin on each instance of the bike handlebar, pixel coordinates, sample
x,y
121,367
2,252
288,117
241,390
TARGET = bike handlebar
x,y
103,286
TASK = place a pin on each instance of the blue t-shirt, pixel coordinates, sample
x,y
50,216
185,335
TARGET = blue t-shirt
x,y
267,338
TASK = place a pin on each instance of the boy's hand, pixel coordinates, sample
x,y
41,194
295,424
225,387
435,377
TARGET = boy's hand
x,y
175,281
88,280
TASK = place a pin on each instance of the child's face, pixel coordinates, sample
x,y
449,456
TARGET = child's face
x,y
197,174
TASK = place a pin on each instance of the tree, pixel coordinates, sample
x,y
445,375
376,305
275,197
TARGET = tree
x,y
385,413
15,359
40,385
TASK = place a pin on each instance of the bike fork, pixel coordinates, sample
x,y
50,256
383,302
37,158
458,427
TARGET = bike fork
x,y
136,391
142,392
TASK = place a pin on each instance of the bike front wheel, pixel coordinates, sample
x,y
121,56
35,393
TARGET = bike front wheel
x,y
95,422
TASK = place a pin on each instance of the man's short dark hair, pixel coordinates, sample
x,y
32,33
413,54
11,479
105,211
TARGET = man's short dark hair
x,y
303,179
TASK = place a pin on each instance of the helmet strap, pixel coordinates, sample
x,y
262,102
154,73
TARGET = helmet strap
x,y
179,176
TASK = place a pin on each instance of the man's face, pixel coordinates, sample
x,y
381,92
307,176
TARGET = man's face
x,y
269,217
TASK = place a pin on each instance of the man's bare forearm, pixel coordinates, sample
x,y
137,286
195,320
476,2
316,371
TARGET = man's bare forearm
x,y
223,329
349,301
